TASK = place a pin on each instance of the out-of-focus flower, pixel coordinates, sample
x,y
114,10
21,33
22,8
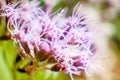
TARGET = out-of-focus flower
x,y
110,7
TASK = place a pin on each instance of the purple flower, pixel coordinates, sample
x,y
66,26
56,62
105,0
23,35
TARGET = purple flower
x,y
70,43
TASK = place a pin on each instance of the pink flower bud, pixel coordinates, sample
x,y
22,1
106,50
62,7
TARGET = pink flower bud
x,y
44,46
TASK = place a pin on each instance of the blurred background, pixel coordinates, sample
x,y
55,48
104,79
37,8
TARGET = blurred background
x,y
104,13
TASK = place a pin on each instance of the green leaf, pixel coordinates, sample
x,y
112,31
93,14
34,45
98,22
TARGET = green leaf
x,y
62,76
39,75
5,72
22,76
50,75
2,26
10,52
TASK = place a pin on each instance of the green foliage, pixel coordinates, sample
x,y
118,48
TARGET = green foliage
x,y
7,59
10,52
22,76
50,75
2,27
116,23
5,72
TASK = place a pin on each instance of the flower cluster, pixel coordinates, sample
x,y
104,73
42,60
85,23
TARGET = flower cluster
x,y
67,39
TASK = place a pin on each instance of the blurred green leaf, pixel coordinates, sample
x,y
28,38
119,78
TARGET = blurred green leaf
x,y
116,23
59,5
39,75
62,76
22,76
5,72
50,75
2,26
10,52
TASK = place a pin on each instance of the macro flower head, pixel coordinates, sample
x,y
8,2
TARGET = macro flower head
x,y
38,33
